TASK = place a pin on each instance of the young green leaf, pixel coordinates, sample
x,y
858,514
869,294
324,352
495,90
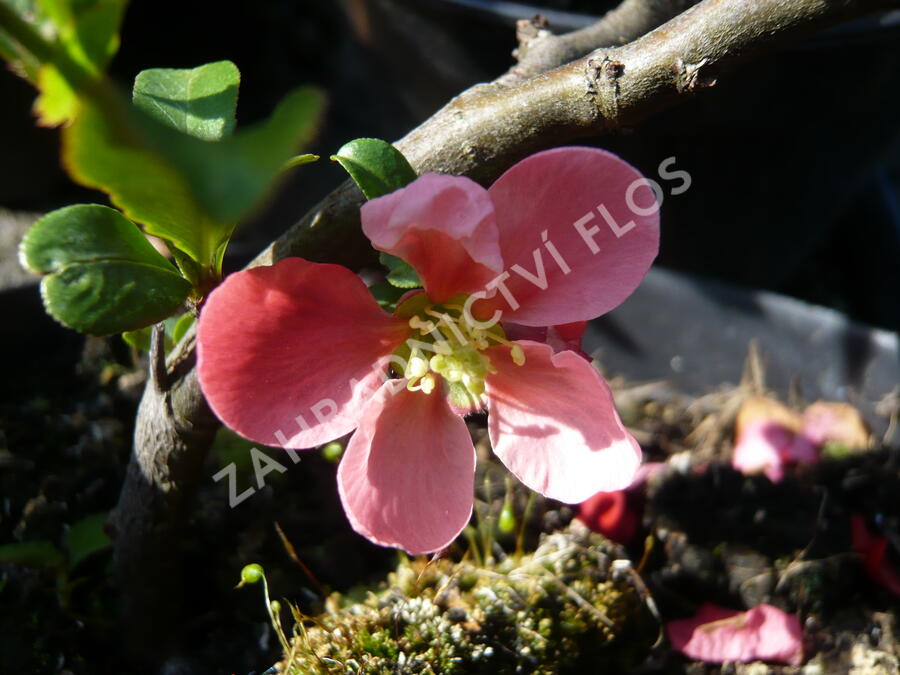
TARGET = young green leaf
x,y
50,41
182,325
88,30
87,537
111,151
20,59
299,160
102,275
57,102
386,295
185,190
231,176
376,166
35,553
198,101
400,273
140,339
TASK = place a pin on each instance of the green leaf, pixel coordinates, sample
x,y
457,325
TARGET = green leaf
x,y
376,166
88,30
185,190
185,321
107,297
57,103
400,273
230,177
198,101
103,276
386,295
110,150
85,35
87,537
140,339
36,553
18,56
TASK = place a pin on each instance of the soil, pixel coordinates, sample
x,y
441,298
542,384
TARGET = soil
x,y
708,533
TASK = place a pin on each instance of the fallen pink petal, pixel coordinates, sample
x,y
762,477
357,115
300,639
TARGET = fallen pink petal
x,y
825,421
767,447
716,634
617,515
611,514
771,439
876,559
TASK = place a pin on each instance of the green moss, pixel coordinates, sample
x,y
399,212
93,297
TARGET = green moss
x,y
556,610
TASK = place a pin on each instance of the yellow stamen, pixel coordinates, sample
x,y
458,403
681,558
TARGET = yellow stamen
x,y
456,347
428,383
416,367
517,354
424,327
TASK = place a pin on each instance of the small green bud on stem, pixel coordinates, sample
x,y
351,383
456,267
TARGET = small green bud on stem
x,y
506,523
251,574
333,451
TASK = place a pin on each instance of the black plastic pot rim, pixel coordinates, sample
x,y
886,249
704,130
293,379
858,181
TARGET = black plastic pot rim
x,y
879,26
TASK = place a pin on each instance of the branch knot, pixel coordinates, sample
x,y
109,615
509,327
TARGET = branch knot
x,y
602,73
693,76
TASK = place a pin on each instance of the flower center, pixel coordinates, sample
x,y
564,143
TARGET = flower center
x,y
447,347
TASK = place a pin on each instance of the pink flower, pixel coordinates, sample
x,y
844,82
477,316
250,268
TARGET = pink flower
x,y
296,354
716,634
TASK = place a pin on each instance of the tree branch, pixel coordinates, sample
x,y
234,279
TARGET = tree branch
x,y
540,50
487,128
479,133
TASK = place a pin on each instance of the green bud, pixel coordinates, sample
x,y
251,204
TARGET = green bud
x,y
276,606
507,520
251,574
333,451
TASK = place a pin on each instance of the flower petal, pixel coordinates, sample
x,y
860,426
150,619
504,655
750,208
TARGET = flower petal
x,y
767,446
825,421
874,550
553,423
407,475
579,198
562,337
716,634
758,449
444,227
289,354
612,514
